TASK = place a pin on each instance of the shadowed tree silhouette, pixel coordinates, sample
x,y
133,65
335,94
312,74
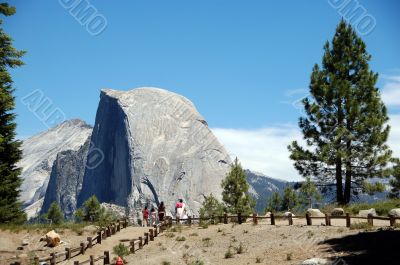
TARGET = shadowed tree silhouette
x,y
380,247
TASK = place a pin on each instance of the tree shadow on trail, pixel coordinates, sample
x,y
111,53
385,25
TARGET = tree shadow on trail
x,y
378,247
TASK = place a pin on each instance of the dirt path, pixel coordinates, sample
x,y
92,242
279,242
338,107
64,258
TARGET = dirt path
x,y
109,243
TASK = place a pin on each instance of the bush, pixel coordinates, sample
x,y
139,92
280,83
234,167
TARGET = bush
x,y
228,254
207,242
121,250
181,239
197,262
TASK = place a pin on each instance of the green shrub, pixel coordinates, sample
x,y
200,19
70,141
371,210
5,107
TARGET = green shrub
x,y
229,254
121,250
170,235
197,262
240,249
180,239
207,242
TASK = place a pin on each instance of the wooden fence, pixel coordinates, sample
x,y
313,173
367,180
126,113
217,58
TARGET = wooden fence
x,y
70,253
255,218
136,244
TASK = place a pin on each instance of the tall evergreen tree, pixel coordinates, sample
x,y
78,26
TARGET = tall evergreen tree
x,y
274,203
10,153
345,122
235,191
290,199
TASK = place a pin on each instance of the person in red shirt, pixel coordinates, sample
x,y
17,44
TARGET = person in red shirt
x,y
145,217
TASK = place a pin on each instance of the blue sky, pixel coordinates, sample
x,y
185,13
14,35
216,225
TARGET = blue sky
x,y
242,63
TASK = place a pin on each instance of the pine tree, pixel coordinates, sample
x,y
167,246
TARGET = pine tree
x,y
211,207
345,123
235,188
290,199
395,182
10,153
274,203
309,192
90,211
55,214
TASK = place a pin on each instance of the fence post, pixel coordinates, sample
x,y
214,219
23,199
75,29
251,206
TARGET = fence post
x,y
151,232
106,257
240,218
140,242
290,218
392,221
53,259
146,238
308,219
225,218
272,219
83,248
76,262
327,219
108,231
90,242
91,260
155,231
255,220
118,225
104,233
99,237
190,220
68,254
132,243
370,219
170,222
36,260
348,220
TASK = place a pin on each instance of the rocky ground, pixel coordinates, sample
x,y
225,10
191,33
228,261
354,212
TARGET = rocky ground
x,y
234,244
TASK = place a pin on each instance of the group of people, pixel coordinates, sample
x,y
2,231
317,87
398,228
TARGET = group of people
x,y
152,217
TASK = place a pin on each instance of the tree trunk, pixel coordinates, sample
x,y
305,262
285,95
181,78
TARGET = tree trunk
x,y
347,187
339,181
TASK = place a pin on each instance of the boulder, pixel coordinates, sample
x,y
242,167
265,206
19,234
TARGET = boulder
x,y
53,239
337,212
395,212
315,261
315,213
288,213
365,213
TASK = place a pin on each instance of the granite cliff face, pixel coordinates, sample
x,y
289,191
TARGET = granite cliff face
x,y
39,153
66,180
156,147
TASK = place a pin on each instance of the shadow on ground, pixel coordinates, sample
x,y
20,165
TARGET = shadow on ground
x,y
378,247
